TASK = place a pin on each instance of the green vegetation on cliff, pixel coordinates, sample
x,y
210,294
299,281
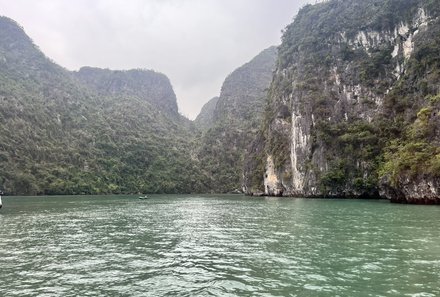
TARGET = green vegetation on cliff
x,y
205,118
91,132
352,109
360,80
415,105
235,122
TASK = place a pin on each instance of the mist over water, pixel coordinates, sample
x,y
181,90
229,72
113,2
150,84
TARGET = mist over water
x,y
217,246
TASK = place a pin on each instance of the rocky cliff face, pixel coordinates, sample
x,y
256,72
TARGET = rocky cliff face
x,y
353,108
243,92
236,118
205,119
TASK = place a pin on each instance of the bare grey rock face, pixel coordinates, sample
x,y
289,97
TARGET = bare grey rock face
x,y
415,190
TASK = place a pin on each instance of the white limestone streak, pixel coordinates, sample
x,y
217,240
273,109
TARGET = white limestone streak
x,y
299,143
270,178
372,39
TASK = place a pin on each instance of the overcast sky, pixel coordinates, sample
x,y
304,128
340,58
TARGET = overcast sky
x,y
196,43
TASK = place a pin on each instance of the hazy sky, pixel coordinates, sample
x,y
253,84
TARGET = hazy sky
x,y
196,43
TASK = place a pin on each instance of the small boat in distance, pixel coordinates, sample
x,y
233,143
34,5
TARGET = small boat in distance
x,y
1,205
143,197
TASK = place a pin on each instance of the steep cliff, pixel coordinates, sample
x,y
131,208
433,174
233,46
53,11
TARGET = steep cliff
x,y
148,85
353,108
96,131
205,119
236,119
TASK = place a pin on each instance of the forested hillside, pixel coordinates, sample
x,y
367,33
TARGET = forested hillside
x,y
236,119
89,132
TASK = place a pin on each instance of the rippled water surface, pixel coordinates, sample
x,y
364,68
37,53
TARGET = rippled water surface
x,y
217,246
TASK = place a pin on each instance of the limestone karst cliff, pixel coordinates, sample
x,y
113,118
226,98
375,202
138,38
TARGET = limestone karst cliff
x,y
205,119
145,84
236,118
354,104
348,106
89,132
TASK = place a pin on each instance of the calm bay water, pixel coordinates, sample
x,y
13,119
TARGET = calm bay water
x,y
217,246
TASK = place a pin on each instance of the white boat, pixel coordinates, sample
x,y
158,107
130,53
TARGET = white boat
x,y
1,201
143,197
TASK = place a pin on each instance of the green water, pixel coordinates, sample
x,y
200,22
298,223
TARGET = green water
x,y
217,246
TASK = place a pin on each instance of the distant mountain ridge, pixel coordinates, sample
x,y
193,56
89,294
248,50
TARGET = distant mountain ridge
x,y
205,118
145,84
236,117
243,93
